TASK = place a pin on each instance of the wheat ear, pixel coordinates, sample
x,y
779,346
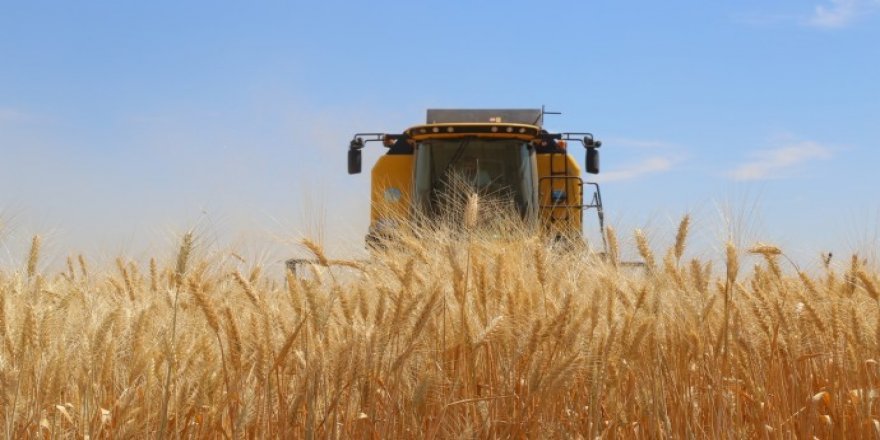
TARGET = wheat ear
x,y
33,256
681,236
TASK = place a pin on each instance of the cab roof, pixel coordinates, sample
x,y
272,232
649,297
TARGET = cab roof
x,y
533,117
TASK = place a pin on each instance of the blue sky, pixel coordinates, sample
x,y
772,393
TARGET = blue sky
x,y
122,124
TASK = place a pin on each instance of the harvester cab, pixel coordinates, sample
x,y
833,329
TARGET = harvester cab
x,y
505,153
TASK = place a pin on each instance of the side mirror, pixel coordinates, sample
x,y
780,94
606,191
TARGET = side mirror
x,y
354,161
592,160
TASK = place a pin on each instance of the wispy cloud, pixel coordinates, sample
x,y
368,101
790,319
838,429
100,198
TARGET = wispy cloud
x,y
840,13
775,162
827,14
652,156
650,165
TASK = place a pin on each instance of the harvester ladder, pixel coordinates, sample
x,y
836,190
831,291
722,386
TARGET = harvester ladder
x,y
559,176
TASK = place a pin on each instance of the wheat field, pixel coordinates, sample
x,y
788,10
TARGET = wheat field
x,y
449,333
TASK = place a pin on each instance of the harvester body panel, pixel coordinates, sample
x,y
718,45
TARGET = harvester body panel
x,y
391,182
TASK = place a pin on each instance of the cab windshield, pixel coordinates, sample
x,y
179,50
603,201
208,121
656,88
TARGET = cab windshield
x,y
502,170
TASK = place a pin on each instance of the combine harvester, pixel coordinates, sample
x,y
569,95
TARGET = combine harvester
x,y
500,152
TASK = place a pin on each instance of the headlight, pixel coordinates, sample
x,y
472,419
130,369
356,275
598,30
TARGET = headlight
x,y
392,194
558,196
383,224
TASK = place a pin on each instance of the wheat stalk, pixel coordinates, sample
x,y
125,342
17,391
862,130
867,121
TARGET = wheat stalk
x,y
869,284
83,265
247,288
154,276
732,262
613,246
317,251
33,256
234,338
645,250
471,212
681,236
183,256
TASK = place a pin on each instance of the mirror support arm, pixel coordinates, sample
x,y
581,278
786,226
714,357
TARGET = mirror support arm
x,y
359,142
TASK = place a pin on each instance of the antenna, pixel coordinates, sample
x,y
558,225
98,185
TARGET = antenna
x,y
545,112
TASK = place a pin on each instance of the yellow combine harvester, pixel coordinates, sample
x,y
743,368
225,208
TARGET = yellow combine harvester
x,y
496,151
505,153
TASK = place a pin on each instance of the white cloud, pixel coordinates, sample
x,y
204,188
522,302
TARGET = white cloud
x,y
664,155
650,165
840,13
829,14
772,163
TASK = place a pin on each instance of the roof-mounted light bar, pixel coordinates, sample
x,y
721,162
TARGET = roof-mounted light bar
x,y
486,130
